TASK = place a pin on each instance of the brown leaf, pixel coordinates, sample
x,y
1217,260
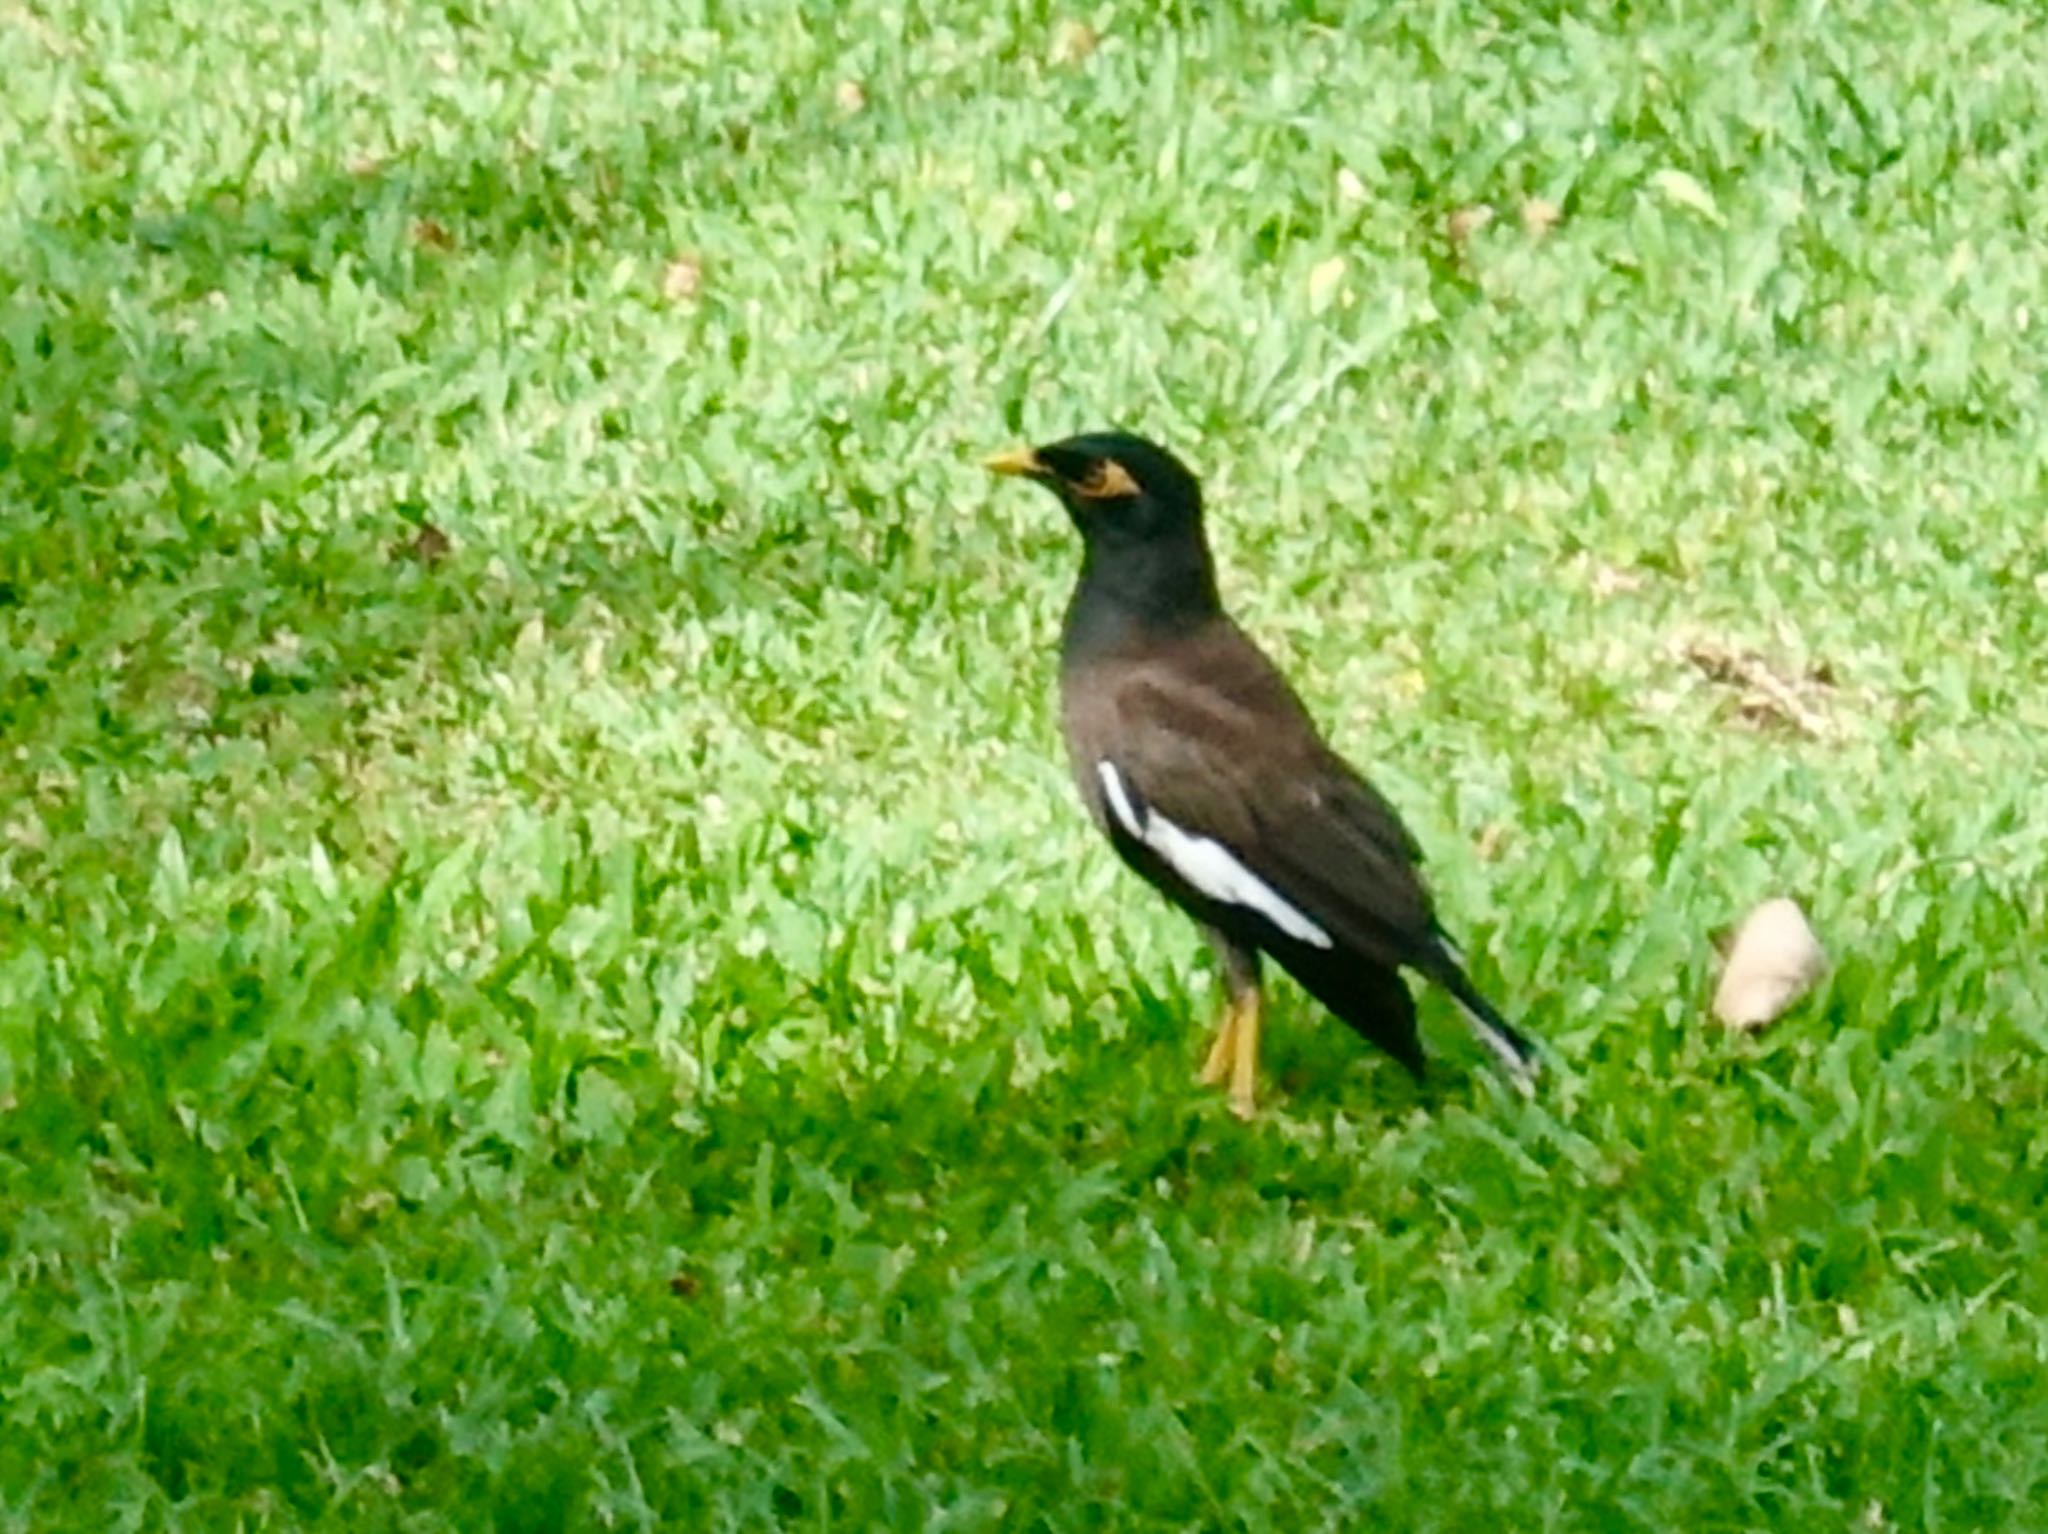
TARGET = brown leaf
x,y
433,234
1613,581
1466,222
365,1210
429,545
1774,960
1768,696
682,277
1539,216
684,1285
1073,41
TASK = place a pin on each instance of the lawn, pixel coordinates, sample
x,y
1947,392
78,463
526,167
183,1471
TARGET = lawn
x,y
551,976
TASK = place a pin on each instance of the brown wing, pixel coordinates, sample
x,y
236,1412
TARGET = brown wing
x,y
1208,735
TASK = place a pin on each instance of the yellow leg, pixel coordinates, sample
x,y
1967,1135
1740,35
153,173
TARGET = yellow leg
x,y
1216,1069
1244,1044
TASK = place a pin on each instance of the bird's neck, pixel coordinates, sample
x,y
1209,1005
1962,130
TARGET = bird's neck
x,y
1140,592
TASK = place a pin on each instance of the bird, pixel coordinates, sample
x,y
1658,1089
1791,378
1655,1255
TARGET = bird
x,y
1211,780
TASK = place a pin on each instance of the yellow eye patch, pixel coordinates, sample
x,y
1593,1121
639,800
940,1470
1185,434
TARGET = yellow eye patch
x,y
1107,481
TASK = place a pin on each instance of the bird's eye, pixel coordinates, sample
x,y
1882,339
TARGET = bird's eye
x,y
1107,480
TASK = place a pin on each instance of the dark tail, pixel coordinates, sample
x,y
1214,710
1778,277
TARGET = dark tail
x,y
1510,1046
1374,1002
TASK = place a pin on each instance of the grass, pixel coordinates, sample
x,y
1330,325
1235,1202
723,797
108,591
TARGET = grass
x,y
619,1023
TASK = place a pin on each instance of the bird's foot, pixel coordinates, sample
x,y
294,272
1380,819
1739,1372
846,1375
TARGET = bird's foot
x,y
1234,1056
1244,1051
1216,1069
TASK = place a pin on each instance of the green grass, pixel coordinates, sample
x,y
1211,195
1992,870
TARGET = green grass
x,y
625,1025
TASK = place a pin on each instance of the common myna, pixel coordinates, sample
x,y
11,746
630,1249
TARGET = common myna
x,y
1202,767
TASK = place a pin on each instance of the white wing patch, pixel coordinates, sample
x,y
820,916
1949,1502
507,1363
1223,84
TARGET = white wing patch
x,y
1207,865
1119,801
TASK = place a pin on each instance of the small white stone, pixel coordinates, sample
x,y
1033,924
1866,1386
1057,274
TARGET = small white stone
x,y
1774,960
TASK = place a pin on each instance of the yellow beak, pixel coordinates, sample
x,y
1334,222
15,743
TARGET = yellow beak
x,y
1017,461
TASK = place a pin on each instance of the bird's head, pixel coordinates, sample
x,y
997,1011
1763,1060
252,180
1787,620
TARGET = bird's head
x,y
1119,489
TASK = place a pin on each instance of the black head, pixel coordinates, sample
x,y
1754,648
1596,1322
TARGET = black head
x,y
1145,565
1119,489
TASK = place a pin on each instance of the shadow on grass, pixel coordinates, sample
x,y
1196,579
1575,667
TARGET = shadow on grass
x,y
801,1240
110,411
188,567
